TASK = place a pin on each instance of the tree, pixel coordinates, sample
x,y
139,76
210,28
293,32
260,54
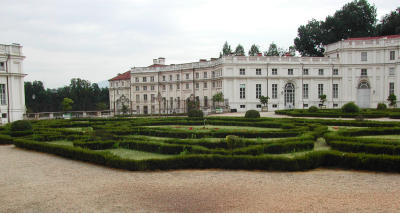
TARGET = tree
x,y
67,104
254,50
322,99
354,19
273,50
309,40
264,101
390,23
392,100
217,98
226,49
239,51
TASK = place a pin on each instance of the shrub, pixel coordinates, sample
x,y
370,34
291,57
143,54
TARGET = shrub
x,y
195,113
359,118
252,114
6,139
21,125
381,106
313,109
234,141
350,107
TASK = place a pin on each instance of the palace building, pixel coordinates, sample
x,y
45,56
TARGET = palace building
x,y
363,70
12,93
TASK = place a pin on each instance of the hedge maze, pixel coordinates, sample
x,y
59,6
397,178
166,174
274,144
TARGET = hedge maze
x,y
215,142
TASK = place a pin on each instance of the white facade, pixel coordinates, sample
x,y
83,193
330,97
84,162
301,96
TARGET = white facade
x,y
363,70
12,93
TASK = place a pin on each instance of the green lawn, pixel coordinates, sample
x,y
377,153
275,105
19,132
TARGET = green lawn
x,y
137,155
209,128
64,143
385,137
336,128
80,129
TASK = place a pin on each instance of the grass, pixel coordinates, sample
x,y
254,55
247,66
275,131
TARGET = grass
x,y
136,155
384,137
337,128
63,143
80,129
209,128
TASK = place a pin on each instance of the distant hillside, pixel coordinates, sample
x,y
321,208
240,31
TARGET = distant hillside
x,y
103,84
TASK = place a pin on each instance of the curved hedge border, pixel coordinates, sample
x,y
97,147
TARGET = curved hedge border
x,y
305,162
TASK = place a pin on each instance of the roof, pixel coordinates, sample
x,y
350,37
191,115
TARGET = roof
x,y
373,38
123,76
157,65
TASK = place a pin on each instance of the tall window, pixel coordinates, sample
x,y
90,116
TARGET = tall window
x,y
138,98
290,71
305,91
274,91
258,71
187,86
321,72
364,56
213,84
136,79
363,72
258,90
187,76
392,55
2,66
171,87
163,87
205,85
242,91
178,86
163,77
3,94
197,75
137,88
335,90
391,71
242,71
205,74
391,88
335,72
320,89
153,98
152,87
144,88
305,71
144,79
274,71
145,97
197,85
152,78
177,77
205,101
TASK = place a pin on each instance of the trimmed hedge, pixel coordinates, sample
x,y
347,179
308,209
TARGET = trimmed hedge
x,y
304,162
6,139
252,114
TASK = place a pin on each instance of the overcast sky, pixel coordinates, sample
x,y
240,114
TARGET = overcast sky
x,y
96,40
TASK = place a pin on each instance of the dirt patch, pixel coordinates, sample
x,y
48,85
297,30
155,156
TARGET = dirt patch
x,y
38,182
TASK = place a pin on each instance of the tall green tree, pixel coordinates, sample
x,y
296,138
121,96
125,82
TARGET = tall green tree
x,y
273,50
67,104
354,19
239,51
390,23
226,49
254,50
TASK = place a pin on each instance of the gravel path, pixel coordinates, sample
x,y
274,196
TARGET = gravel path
x,y
38,182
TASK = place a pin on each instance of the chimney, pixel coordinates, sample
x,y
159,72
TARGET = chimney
x,y
203,60
155,61
161,60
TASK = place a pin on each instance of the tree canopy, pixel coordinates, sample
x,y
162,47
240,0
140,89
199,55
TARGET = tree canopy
x,y
254,50
354,19
390,23
85,96
239,51
226,49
